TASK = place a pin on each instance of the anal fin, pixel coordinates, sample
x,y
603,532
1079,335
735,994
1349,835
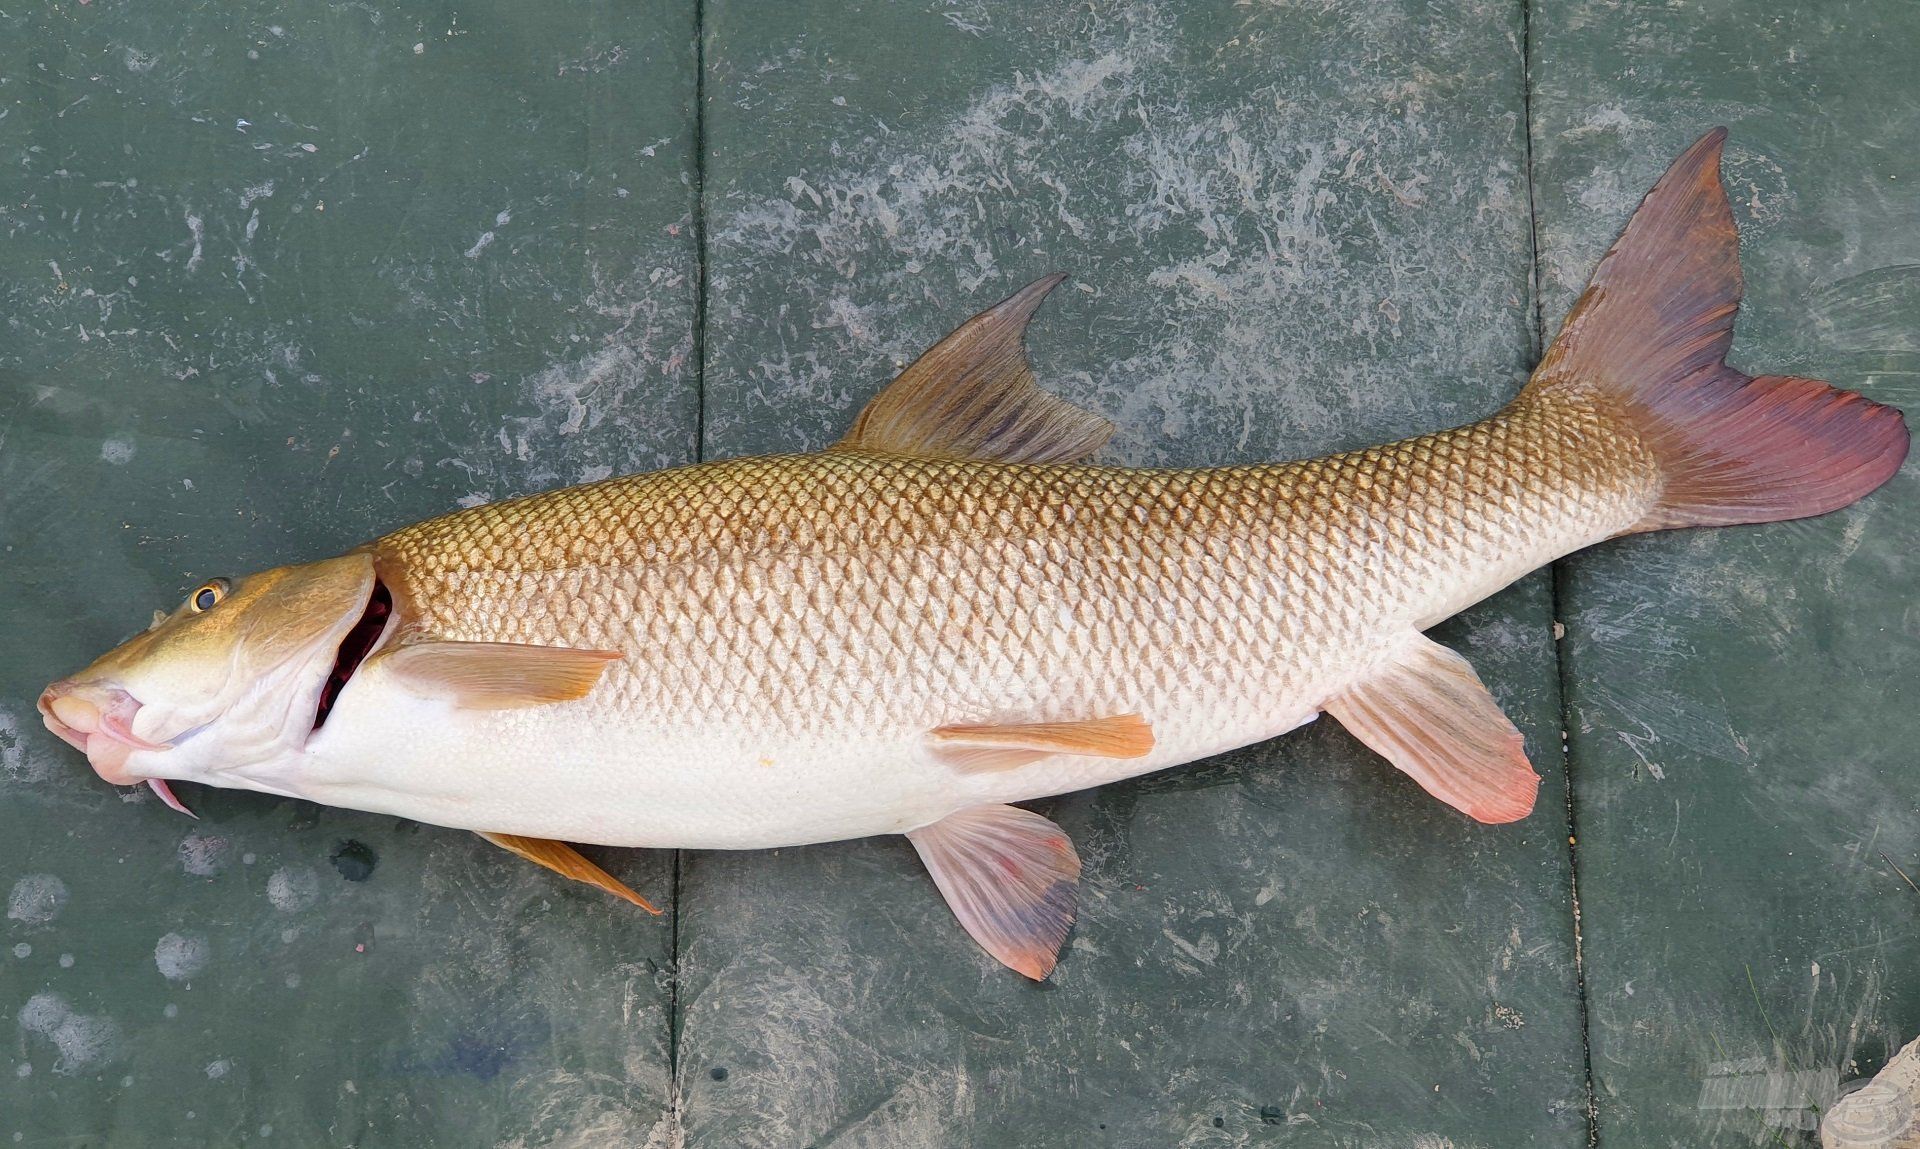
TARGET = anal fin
x,y
988,747
566,861
1429,714
1010,876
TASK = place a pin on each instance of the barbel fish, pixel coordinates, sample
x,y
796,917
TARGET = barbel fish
x,y
952,610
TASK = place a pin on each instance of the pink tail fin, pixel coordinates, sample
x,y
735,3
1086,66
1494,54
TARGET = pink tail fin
x,y
1648,340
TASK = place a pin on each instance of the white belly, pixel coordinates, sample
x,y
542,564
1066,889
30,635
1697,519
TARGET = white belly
x,y
562,771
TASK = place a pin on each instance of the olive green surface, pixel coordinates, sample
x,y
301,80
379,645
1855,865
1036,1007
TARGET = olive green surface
x,y
274,279
1290,231
1745,711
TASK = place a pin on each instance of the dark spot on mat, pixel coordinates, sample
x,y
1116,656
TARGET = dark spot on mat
x,y
354,859
1272,1115
718,1073
497,1037
478,1057
1219,1123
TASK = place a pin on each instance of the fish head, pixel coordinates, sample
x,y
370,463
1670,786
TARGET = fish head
x,y
234,677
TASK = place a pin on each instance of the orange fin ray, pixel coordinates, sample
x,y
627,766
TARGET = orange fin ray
x,y
568,862
1429,714
973,396
988,747
497,675
1011,877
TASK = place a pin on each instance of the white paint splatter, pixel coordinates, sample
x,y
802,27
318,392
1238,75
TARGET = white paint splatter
x,y
204,855
83,1041
16,763
138,61
612,403
256,191
1604,118
1206,951
218,1069
180,956
198,229
1341,219
293,888
1602,193
570,388
42,1013
480,245
117,451
37,899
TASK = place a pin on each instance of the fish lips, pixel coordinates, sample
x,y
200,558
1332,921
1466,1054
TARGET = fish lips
x,y
97,721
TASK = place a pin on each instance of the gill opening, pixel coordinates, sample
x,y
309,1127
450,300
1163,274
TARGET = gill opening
x,y
354,648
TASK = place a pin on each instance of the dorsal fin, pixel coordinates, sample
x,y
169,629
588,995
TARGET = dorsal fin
x,y
1660,305
973,396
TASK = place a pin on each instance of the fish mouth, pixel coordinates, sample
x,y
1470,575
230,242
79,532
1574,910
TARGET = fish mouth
x,y
98,721
359,642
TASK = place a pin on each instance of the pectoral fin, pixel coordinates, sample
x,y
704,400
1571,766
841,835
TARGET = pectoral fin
x,y
566,861
973,396
985,748
1429,715
1010,876
497,675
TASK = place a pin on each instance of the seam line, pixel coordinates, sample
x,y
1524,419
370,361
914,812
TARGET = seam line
x,y
1559,577
698,229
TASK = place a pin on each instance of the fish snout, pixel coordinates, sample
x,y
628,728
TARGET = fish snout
x,y
97,721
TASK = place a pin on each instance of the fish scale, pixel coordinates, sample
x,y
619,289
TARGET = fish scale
x,y
858,599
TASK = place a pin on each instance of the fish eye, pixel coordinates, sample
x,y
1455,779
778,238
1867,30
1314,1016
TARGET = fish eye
x,y
209,595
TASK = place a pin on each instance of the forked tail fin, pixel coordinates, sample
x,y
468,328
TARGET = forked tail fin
x,y
1646,342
